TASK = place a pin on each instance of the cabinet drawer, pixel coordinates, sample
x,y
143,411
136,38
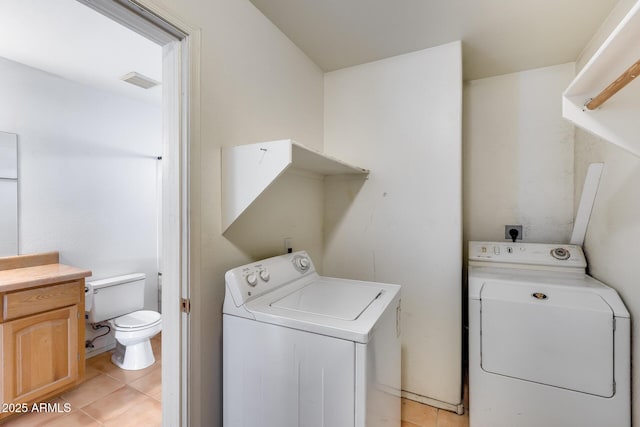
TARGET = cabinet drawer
x,y
32,301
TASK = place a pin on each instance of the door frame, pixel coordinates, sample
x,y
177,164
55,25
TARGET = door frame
x,y
180,134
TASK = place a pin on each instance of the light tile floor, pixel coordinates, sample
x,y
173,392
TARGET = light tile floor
x,y
416,414
109,396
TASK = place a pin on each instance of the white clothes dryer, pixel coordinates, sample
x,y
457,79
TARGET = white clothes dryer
x,y
548,344
300,349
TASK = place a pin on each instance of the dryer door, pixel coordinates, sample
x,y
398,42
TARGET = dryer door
x,y
549,335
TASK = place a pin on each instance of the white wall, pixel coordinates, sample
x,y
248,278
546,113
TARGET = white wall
x,y
87,173
518,156
611,243
255,85
401,118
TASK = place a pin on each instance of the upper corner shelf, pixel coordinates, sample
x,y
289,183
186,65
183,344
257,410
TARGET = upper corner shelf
x,y
248,170
618,52
611,68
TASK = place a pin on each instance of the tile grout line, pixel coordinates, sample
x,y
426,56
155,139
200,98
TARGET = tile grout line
x,y
96,420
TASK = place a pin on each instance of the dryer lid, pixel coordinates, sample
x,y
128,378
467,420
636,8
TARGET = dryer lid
x,y
549,335
339,300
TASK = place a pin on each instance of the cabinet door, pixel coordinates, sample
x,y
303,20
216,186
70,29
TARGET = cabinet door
x,y
40,354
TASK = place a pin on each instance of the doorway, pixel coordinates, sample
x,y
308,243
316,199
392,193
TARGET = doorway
x,y
177,54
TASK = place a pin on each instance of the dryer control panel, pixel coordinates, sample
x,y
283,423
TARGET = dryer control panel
x,y
519,255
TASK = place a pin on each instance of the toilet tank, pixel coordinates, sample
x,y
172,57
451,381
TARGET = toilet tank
x,y
114,296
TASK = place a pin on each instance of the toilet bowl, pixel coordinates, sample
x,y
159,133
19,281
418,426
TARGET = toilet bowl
x,y
119,301
133,334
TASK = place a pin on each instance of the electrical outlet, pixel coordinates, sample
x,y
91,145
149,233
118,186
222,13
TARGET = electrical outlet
x,y
287,245
507,231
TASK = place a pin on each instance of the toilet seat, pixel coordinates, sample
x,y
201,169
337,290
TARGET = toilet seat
x,y
137,320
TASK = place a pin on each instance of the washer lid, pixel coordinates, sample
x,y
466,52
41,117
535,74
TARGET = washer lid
x,y
137,319
345,301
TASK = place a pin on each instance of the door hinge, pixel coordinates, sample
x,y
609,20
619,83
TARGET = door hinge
x,y
185,305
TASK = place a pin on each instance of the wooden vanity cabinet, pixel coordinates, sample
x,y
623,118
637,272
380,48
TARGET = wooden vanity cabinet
x,y
41,339
41,332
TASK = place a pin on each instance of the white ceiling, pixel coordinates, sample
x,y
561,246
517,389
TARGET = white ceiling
x,y
66,38
499,36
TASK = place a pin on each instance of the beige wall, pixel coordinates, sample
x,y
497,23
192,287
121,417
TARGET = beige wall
x,y
611,244
255,86
401,118
518,156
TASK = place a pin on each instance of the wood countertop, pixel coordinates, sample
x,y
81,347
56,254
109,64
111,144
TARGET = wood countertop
x,y
30,271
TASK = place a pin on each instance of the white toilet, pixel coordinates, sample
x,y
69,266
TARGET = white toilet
x,y
119,300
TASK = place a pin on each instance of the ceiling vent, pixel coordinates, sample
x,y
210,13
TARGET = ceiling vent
x,y
139,80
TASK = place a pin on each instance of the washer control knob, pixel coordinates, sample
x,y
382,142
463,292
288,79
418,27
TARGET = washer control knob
x,y
252,279
264,275
301,263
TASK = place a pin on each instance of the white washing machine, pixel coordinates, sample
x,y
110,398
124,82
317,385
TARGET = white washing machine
x,y
303,350
548,344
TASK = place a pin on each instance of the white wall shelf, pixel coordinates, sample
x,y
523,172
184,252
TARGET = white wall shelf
x,y
617,119
248,170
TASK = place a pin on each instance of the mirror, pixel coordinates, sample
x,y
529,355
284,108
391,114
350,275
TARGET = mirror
x,y
8,194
